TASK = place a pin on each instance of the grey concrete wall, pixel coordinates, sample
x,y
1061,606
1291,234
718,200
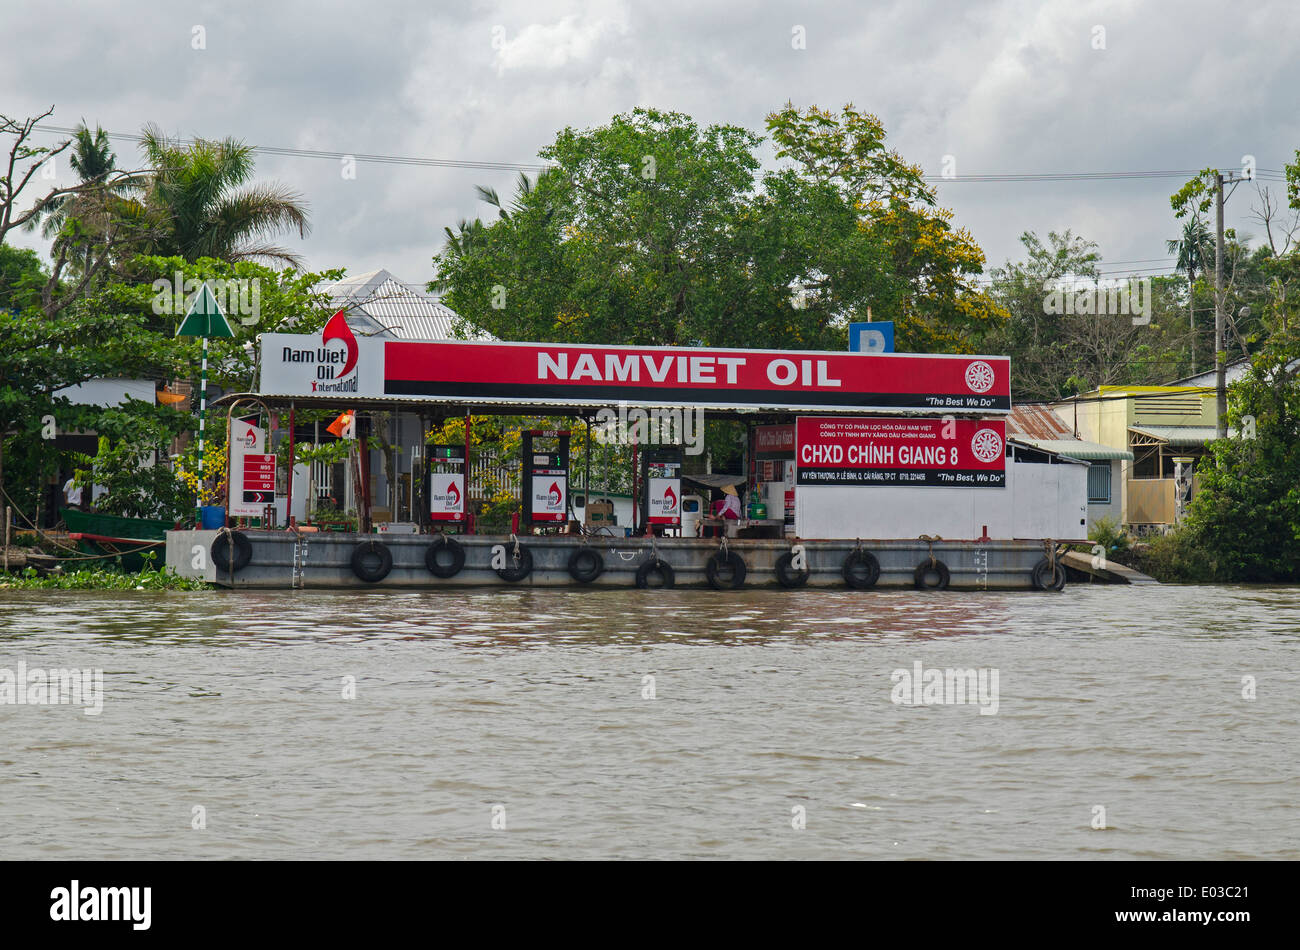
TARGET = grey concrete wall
x,y
189,554
326,560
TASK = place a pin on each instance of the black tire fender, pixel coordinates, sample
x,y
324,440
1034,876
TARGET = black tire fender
x,y
729,562
861,569
655,566
585,574
786,575
221,551
1044,578
363,564
436,567
517,568
923,571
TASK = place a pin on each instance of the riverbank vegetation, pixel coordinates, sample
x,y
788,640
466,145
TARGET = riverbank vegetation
x,y
101,579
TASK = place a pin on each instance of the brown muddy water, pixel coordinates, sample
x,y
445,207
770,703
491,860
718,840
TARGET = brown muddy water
x,y
560,724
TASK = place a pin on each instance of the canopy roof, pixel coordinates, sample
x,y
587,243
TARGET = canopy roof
x,y
1079,449
1178,435
714,480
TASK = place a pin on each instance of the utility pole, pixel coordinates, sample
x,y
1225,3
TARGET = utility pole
x,y
1220,377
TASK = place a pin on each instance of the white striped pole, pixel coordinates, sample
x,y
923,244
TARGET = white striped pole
x,y
203,415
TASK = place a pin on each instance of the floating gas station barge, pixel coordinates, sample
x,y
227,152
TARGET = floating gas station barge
x,y
883,469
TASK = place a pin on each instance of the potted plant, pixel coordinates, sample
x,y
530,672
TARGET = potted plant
x,y
328,517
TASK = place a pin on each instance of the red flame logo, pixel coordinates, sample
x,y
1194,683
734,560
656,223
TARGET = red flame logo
x,y
670,499
338,329
453,495
555,494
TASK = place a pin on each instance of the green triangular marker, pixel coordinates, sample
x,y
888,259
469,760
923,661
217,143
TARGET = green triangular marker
x,y
205,317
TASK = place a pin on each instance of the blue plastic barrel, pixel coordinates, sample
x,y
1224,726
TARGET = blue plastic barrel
x,y
212,516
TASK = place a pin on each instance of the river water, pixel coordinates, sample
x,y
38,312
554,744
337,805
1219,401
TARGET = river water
x,y
649,724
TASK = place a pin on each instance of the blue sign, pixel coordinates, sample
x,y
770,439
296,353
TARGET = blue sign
x,y
874,337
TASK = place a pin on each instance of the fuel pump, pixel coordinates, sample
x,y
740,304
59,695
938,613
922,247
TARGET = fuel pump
x,y
545,478
661,493
447,483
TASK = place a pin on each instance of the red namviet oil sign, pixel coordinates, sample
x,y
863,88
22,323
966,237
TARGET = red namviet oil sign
x,y
599,375
873,451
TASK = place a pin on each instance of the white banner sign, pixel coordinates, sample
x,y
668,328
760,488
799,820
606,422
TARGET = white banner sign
x,y
252,474
548,497
447,496
665,500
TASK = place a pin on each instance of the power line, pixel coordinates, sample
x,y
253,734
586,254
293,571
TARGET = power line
x,y
337,156
1089,176
1267,174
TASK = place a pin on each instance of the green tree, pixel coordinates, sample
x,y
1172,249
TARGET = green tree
x,y
95,163
1055,353
911,265
199,203
1246,516
43,353
653,230
126,327
1195,251
21,278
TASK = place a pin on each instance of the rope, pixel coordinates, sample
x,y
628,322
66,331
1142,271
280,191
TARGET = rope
x,y
1051,553
224,531
930,545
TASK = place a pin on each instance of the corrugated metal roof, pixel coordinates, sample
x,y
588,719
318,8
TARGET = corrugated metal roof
x,y
1076,448
1026,445
1037,425
1037,421
378,304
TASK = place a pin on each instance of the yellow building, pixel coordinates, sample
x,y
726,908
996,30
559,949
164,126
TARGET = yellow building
x,y
1165,427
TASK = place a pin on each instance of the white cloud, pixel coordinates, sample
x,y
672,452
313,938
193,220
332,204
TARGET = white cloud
x,y
1003,85
572,39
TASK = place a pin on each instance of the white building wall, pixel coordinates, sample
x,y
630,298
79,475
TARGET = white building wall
x,y
109,392
1038,501
1115,509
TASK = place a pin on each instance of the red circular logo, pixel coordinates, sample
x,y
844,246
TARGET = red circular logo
x,y
987,445
979,376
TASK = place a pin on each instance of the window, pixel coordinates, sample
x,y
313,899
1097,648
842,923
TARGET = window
x,y
1099,483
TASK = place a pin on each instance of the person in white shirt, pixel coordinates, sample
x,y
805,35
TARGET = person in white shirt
x,y
72,493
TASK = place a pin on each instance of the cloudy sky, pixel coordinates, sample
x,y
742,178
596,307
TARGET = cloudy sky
x,y
1002,87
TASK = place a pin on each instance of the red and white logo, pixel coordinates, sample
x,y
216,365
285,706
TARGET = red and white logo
x,y
979,376
555,496
453,495
337,329
670,500
986,444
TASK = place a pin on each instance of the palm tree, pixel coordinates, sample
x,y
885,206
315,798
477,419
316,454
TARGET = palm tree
x,y
1195,250
523,188
94,161
468,233
200,196
82,222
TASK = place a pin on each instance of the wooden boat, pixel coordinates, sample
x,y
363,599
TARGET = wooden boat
x,y
111,536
